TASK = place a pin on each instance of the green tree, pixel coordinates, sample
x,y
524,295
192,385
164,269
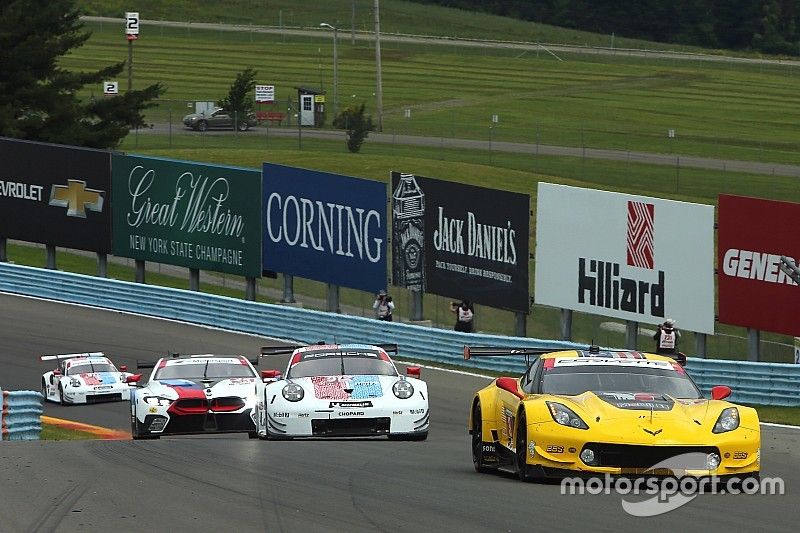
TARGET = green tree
x,y
239,101
39,99
357,125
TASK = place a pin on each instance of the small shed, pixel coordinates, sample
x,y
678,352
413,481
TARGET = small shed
x,y
312,106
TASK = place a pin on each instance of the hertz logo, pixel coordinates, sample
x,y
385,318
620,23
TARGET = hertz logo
x,y
76,198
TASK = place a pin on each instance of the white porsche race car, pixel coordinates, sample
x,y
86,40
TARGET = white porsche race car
x,y
84,378
193,394
342,390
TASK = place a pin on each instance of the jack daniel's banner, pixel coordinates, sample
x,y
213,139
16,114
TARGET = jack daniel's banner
x,y
461,241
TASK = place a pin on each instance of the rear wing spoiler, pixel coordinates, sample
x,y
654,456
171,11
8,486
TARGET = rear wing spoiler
x,y
491,351
268,351
61,357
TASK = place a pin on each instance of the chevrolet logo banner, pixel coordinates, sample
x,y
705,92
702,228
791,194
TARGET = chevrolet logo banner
x,y
56,195
76,198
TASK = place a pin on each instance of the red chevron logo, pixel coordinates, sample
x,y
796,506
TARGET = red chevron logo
x,y
640,234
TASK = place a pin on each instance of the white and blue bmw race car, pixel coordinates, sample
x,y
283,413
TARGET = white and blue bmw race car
x,y
88,377
342,390
192,394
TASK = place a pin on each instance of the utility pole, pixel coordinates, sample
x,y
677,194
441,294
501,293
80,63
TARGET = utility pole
x,y
335,67
353,25
379,90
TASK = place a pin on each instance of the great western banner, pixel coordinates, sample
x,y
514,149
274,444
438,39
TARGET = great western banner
x,y
629,257
325,227
754,291
57,195
461,241
187,214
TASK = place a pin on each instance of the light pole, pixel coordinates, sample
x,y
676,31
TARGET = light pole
x,y
335,68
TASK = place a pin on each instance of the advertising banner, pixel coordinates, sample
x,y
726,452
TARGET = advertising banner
x,y
57,195
624,256
325,227
188,214
753,289
462,241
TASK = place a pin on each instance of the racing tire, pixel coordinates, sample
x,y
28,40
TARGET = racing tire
x,y
477,441
202,126
242,126
61,396
44,390
523,470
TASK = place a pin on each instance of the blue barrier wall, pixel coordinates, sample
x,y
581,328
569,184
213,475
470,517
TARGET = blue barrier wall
x,y
756,383
22,411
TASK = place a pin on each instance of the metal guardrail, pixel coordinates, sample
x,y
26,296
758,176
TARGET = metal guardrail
x,y
755,383
21,415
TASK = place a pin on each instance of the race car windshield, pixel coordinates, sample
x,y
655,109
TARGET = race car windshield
x,y
332,365
89,368
204,370
573,381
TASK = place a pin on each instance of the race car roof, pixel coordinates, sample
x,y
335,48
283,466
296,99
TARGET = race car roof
x,y
206,358
605,354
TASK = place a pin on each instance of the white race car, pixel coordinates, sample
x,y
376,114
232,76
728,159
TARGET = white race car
x,y
195,394
84,378
342,390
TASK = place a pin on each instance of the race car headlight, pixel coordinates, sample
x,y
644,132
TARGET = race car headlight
x,y
156,400
403,389
75,382
565,416
293,392
728,420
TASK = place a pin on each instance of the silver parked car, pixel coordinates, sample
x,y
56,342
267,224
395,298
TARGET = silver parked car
x,y
219,118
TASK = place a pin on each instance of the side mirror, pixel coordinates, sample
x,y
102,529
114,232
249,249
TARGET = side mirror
x,y
270,374
414,371
134,379
57,372
511,385
123,368
720,392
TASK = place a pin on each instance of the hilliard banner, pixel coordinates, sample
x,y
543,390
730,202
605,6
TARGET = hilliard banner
x,y
630,257
754,291
57,195
188,214
326,227
461,241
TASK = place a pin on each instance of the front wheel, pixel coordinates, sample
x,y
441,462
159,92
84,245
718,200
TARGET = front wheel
x,y
477,441
243,126
202,125
44,389
61,396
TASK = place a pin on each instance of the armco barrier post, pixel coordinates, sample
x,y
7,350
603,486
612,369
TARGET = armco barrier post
x,y
566,324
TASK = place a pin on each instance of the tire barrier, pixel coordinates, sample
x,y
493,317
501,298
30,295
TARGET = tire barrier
x,y
755,383
22,411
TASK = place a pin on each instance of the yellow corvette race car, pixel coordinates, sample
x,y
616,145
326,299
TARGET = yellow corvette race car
x,y
593,412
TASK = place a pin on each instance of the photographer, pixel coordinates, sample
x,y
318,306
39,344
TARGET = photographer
x,y
383,306
464,315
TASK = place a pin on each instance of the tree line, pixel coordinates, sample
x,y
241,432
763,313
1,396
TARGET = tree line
x,y
769,26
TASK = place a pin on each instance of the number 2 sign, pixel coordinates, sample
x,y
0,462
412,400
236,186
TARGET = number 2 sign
x,y
132,23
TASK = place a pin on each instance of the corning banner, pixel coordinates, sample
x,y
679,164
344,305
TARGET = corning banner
x,y
461,241
624,256
188,214
753,289
325,227
57,195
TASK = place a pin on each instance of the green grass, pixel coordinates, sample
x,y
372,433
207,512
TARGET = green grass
x,y
779,415
52,432
721,110
397,16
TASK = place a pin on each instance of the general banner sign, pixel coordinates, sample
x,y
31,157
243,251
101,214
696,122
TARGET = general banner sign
x,y
188,214
57,195
754,291
325,227
461,241
624,256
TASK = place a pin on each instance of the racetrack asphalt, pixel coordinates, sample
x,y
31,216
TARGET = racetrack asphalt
x,y
232,483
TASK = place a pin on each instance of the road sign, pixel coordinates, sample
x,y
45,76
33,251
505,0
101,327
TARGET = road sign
x,y
265,93
110,88
131,24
